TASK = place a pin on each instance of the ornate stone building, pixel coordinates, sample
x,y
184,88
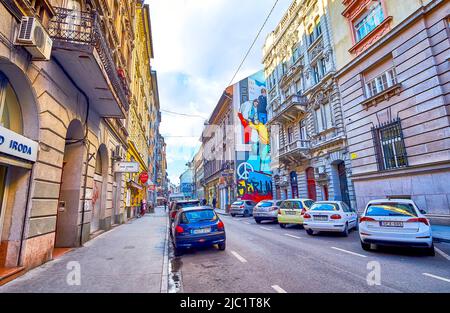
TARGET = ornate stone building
x,y
309,150
392,70
65,91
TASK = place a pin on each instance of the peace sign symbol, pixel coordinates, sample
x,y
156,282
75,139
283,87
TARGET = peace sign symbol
x,y
244,170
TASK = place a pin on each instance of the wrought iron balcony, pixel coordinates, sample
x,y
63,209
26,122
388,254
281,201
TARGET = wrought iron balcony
x,y
79,44
288,111
295,151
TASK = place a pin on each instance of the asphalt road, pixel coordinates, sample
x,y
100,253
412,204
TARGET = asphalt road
x,y
265,258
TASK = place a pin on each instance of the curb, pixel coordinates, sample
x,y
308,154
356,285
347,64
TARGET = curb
x,y
221,212
165,269
437,239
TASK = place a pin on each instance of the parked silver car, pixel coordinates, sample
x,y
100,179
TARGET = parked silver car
x,y
266,210
242,207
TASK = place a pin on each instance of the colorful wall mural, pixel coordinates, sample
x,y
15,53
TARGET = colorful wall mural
x,y
253,175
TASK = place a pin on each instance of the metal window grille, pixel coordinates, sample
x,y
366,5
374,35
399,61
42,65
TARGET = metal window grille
x,y
390,148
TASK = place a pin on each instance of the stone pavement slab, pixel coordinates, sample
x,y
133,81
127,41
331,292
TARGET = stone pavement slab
x,y
129,258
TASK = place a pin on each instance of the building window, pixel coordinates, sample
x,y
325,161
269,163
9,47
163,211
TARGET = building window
x,y
373,17
381,83
290,134
303,131
319,69
323,116
314,31
390,146
10,111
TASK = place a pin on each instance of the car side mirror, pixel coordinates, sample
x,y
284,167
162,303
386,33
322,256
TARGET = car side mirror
x,y
423,212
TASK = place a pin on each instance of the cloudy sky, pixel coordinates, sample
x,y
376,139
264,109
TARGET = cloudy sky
x,y
198,47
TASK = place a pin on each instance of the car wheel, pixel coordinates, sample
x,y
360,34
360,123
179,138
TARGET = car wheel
x,y
430,251
222,246
233,215
178,252
246,214
345,232
310,232
282,225
258,221
365,246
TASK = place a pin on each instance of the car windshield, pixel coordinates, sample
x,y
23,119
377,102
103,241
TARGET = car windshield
x,y
198,216
238,203
325,207
265,204
391,209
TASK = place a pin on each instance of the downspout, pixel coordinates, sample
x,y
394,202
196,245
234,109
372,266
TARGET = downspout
x,y
25,217
88,159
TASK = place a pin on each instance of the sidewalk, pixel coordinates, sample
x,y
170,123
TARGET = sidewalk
x,y
129,258
222,212
441,233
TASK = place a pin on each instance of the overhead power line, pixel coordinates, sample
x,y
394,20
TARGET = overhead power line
x,y
253,43
184,114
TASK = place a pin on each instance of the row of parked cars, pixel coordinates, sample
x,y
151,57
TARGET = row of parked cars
x,y
384,222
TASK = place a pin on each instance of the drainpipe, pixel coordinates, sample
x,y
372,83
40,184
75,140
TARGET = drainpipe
x,y
25,216
88,159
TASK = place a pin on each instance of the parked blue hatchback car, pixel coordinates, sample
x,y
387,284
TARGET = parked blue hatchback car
x,y
197,227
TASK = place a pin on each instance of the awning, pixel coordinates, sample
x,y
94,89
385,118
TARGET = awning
x,y
133,184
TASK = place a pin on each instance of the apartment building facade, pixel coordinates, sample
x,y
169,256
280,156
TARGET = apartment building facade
x,y
65,97
392,67
309,151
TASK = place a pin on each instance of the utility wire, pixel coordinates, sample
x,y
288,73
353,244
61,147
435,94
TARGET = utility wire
x,y
253,43
184,114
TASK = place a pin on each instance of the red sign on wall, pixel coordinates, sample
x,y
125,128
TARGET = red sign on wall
x,y
143,177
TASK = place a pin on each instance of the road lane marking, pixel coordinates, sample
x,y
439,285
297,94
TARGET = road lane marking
x,y
349,252
289,235
278,289
238,257
445,255
265,228
437,277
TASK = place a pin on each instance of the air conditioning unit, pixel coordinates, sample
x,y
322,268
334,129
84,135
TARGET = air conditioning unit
x,y
34,37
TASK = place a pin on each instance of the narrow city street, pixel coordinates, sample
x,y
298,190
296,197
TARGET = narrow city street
x,y
129,258
265,258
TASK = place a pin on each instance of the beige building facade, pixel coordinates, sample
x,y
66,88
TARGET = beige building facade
x,y
309,151
58,185
393,75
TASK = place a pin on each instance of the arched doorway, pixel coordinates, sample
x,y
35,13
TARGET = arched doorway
x,y
294,184
341,182
311,183
99,189
70,190
19,123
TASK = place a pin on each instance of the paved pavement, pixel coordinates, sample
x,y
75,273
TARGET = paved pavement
x,y
129,258
265,258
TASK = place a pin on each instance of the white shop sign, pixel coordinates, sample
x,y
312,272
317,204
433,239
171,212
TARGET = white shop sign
x,y
17,145
126,167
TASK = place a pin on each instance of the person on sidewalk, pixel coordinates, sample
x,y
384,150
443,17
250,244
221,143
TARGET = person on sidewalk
x,y
214,202
142,208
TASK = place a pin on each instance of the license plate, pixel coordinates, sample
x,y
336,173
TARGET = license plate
x,y
320,217
391,224
291,212
202,231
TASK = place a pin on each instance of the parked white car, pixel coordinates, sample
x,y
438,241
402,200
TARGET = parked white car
x,y
330,216
395,222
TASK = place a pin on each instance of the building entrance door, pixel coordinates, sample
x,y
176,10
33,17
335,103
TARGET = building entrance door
x,y
342,172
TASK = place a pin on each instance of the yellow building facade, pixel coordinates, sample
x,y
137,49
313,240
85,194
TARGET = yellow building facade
x,y
141,108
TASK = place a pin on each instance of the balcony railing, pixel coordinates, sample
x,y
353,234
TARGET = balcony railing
x,y
83,28
297,145
289,109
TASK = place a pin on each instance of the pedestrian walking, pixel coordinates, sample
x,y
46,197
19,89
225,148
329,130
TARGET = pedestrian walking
x,y
142,208
214,202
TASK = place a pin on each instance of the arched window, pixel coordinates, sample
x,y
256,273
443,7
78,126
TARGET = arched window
x,y
98,164
311,183
10,112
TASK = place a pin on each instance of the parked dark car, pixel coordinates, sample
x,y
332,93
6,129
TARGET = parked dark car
x,y
177,205
195,227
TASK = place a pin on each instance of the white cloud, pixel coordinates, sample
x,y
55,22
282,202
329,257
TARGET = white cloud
x,y
198,46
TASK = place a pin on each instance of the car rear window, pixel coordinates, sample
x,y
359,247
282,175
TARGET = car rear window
x,y
238,203
265,204
188,204
198,216
325,207
391,209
